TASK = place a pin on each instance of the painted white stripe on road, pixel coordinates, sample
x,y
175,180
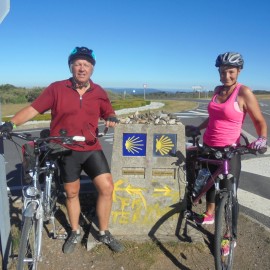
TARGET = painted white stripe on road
x,y
254,202
256,165
190,115
202,110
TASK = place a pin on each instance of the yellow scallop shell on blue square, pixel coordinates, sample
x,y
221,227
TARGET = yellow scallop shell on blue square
x,y
164,145
134,144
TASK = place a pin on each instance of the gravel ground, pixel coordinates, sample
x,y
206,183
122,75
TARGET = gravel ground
x,y
252,251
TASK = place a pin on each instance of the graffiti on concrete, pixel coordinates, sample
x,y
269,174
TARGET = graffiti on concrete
x,y
133,206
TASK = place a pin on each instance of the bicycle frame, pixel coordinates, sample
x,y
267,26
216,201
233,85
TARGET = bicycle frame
x,y
34,198
219,174
39,199
226,211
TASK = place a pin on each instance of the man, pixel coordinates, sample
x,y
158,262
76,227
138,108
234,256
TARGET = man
x,y
76,106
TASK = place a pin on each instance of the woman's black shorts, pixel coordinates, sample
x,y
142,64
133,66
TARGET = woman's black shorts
x,y
93,163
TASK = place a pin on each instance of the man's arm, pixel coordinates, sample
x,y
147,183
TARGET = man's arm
x,y
24,115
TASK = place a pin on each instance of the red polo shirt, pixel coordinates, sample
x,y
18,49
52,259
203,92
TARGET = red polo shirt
x,y
78,115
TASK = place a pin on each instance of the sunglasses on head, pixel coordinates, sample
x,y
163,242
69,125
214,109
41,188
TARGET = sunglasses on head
x,y
83,50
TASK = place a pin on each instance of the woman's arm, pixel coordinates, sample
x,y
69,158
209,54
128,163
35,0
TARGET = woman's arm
x,y
251,106
204,124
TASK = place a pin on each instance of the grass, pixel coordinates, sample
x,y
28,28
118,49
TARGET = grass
x,y
171,106
10,109
263,97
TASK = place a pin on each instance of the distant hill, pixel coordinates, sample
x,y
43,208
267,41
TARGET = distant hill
x,y
13,94
140,91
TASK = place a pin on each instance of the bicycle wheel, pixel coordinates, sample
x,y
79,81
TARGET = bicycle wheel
x,y
224,242
29,244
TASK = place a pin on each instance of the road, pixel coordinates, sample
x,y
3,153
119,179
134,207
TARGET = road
x,y
254,189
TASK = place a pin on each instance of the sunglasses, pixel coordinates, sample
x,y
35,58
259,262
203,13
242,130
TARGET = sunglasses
x,y
83,50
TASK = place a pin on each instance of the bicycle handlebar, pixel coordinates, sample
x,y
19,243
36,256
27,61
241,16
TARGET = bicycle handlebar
x,y
227,151
28,137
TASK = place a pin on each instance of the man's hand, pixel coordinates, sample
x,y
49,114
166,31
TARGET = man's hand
x,y
6,127
111,121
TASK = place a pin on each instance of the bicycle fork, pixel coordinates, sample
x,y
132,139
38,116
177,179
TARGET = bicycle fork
x,y
232,201
50,202
33,209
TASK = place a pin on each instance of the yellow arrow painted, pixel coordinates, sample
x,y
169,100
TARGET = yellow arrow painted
x,y
166,190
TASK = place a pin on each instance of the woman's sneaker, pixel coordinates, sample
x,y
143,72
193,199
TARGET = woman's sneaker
x,y
71,242
204,218
225,247
110,241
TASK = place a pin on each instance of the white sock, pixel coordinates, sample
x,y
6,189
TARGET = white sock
x,y
102,232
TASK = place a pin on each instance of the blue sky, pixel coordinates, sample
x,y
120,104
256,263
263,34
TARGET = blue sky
x,y
168,44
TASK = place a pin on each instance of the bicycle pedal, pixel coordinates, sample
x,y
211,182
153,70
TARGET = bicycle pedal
x,y
187,214
62,236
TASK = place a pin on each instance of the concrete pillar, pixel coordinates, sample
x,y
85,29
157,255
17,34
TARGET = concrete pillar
x,y
149,182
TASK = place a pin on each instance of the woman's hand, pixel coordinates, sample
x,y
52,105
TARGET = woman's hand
x,y
260,143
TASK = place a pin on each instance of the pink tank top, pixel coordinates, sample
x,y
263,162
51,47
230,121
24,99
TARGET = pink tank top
x,y
225,121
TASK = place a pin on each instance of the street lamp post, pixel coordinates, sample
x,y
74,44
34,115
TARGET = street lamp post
x,y
144,88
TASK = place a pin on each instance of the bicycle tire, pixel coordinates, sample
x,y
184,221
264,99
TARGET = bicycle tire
x,y
29,246
224,231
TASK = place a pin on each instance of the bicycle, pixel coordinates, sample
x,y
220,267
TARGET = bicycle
x,y
41,192
226,202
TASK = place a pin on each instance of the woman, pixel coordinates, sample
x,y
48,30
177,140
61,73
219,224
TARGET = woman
x,y
227,110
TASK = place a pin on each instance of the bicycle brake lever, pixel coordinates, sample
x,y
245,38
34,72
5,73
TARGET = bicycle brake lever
x,y
101,134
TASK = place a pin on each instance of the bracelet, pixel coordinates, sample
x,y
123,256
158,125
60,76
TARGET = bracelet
x,y
262,137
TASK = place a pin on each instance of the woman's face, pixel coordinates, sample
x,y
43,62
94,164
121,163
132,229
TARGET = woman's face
x,y
228,75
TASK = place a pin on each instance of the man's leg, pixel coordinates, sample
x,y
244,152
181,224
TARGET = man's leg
x,y
73,203
73,207
104,186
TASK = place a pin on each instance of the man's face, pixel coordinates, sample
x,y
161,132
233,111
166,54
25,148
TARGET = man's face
x,y
228,75
82,70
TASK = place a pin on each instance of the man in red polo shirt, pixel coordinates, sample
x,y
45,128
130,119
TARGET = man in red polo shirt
x,y
76,106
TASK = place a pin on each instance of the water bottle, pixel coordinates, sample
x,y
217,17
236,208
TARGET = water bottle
x,y
200,181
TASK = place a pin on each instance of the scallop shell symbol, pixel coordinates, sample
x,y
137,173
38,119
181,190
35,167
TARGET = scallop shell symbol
x,y
133,144
164,145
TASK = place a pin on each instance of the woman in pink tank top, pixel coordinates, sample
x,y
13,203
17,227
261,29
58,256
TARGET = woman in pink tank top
x,y
227,109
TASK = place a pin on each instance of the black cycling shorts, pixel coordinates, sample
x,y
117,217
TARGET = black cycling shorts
x,y
93,163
